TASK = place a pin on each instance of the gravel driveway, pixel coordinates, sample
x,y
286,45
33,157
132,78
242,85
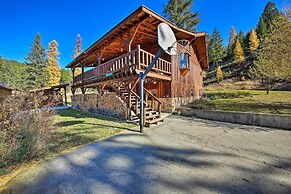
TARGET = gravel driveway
x,y
183,155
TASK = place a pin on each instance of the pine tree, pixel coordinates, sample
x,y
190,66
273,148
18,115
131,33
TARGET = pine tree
x,y
78,46
241,36
36,75
254,41
272,63
78,51
179,12
231,42
238,53
269,14
219,74
246,41
261,29
53,64
216,50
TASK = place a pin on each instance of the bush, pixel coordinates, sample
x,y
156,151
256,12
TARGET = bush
x,y
24,129
202,103
229,95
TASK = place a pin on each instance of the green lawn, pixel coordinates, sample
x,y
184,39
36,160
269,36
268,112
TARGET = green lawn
x,y
72,128
76,128
277,102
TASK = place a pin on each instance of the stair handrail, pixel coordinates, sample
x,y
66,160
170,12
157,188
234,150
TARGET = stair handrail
x,y
153,96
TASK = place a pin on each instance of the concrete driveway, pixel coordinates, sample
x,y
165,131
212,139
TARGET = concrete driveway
x,y
183,155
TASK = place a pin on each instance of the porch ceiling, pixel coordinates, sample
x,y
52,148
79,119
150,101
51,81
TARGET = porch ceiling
x,y
143,25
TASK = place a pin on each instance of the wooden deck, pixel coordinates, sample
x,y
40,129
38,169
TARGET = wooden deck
x,y
134,62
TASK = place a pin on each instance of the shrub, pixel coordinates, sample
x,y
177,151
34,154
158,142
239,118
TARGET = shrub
x,y
202,103
229,95
24,129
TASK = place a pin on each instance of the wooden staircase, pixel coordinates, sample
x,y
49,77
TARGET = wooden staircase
x,y
132,100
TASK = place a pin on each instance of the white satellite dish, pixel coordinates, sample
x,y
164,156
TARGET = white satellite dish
x,y
167,39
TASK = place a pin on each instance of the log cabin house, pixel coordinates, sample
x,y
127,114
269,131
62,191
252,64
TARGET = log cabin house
x,y
112,65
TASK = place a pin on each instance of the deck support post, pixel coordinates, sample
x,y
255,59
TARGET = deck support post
x,y
142,78
73,74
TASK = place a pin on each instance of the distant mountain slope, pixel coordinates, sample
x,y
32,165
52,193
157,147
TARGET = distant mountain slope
x,y
231,70
12,72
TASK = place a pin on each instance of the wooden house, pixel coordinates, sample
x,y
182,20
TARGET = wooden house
x,y
113,63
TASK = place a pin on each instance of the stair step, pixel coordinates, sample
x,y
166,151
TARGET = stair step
x,y
151,112
149,117
155,121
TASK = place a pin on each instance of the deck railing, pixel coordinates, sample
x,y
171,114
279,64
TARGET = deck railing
x,y
136,59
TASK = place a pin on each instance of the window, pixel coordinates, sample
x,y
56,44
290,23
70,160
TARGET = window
x,y
184,61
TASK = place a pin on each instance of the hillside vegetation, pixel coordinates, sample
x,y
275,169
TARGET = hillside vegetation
x,y
12,72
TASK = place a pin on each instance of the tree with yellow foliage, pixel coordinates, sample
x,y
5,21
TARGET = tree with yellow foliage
x,y
238,51
254,41
219,74
53,67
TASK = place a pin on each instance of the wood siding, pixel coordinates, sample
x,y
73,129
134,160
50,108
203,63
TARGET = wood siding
x,y
191,83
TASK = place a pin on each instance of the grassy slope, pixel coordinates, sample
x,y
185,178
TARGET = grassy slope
x,y
277,102
74,128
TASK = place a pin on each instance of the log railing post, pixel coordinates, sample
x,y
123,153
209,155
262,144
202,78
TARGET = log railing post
x,y
136,105
146,97
138,57
129,101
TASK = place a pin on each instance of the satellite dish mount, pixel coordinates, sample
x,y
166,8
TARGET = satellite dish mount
x,y
168,44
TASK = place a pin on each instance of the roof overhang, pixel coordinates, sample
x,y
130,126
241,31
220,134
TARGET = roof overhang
x,y
112,43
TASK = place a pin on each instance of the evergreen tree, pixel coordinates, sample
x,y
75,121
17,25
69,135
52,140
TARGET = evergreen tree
x,y
238,53
269,14
254,41
78,51
261,29
231,42
36,75
216,50
272,63
53,64
78,46
179,12
241,36
246,42
219,74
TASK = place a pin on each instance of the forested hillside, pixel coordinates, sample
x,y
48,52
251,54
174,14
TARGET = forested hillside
x,y
12,72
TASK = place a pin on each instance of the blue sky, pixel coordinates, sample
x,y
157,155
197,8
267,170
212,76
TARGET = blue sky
x,y
62,20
